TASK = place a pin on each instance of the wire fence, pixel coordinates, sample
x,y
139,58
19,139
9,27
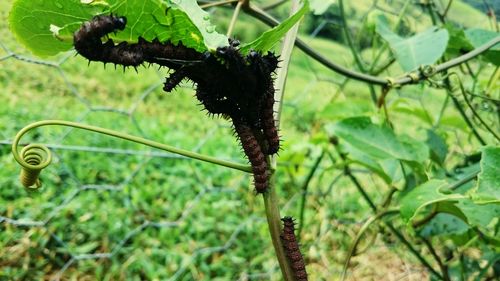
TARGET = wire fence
x,y
40,226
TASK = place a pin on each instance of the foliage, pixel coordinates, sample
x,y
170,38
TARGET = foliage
x,y
421,150
46,28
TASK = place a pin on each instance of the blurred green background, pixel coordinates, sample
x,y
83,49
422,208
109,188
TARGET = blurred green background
x,y
112,210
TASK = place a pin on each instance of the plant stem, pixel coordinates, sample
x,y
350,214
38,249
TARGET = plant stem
x,y
271,201
269,20
442,266
172,149
481,120
271,204
274,5
457,105
304,188
402,80
362,230
354,52
220,3
374,208
234,18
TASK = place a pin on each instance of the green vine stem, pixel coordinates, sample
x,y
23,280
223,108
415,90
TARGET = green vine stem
x,y
271,200
402,80
362,231
467,101
35,157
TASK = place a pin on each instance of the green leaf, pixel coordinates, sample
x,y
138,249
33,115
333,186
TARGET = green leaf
x,y
378,142
31,22
424,195
488,184
478,37
343,109
444,224
319,7
46,27
358,156
269,38
438,147
478,215
421,49
458,43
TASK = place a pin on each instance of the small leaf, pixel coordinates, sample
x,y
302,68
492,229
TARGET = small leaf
x,y
488,184
269,38
424,195
478,37
421,49
458,43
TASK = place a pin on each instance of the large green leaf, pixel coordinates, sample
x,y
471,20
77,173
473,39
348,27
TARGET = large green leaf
x,y
488,184
425,195
478,37
421,49
269,38
378,142
46,27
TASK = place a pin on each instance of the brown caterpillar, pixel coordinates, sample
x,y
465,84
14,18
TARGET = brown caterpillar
x,y
254,153
292,249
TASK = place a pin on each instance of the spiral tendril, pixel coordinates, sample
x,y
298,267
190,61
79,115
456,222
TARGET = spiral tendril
x,y
33,158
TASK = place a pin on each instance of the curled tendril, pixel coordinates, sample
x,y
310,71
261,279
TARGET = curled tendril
x,y
35,157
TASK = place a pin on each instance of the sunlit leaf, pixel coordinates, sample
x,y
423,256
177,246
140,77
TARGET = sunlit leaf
x,y
46,27
269,38
424,195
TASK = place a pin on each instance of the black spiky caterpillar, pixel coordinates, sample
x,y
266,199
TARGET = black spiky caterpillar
x,y
88,43
292,249
227,83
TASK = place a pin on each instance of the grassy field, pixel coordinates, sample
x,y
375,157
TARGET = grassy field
x,y
160,217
